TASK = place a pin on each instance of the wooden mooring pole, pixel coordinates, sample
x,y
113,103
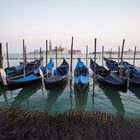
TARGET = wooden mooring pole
x,y
110,54
122,56
56,55
23,51
1,58
95,42
86,55
40,52
134,56
71,57
102,55
34,55
7,54
118,55
24,70
46,58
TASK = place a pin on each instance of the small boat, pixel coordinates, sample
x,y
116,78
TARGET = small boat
x,y
105,77
18,71
60,76
27,80
81,75
134,77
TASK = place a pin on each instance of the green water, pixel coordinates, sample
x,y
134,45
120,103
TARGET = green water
x,y
63,98
66,97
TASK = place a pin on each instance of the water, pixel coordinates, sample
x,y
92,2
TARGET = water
x,y
63,98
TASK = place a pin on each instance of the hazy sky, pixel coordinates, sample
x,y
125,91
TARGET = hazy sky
x,y
37,20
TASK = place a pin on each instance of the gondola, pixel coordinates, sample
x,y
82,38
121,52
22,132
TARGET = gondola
x,y
131,68
18,71
105,77
60,76
81,75
27,80
134,79
111,64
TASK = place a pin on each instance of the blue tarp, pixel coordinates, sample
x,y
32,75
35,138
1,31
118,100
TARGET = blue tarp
x,y
50,65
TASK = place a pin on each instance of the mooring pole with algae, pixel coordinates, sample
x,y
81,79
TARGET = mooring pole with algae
x,y
1,58
7,54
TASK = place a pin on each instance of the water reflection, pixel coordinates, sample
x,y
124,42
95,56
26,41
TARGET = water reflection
x,y
135,91
53,95
81,97
4,91
114,96
25,94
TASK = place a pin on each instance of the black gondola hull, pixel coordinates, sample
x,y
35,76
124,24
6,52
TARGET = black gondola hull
x,y
12,85
50,84
121,87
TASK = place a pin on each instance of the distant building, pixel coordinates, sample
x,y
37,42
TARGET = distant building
x,y
60,50
74,51
129,51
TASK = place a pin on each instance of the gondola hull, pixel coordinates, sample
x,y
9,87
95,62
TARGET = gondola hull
x,y
55,81
81,87
119,86
30,68
15,84
134,81
81,82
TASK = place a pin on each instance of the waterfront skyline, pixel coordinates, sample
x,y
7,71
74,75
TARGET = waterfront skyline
x,y
109,21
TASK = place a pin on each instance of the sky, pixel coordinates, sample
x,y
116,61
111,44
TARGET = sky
x,y
110,21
